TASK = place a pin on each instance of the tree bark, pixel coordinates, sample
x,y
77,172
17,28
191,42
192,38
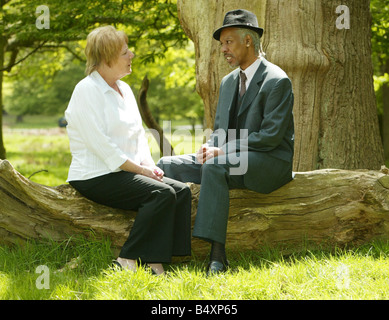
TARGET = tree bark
x,y
199,19
331,207
336,123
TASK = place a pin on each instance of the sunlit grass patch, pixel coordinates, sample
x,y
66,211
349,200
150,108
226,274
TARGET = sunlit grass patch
x,y
44,159
81,269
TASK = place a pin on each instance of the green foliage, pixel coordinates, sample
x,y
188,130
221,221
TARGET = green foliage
x,y
71,20
379,82
42,84
153,21
172,93
380,47
380,30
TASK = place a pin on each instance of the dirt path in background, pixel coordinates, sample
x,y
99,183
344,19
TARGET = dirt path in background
x,y
37,132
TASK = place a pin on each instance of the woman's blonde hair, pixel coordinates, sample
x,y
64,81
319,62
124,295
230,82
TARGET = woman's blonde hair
x,y
103,44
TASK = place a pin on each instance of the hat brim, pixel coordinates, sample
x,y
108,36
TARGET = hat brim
x,y
216,34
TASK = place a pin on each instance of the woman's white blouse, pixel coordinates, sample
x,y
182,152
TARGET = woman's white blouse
x,y
104,128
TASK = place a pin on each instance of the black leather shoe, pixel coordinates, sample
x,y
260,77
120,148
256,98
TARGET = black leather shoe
x,y
216,267
116,265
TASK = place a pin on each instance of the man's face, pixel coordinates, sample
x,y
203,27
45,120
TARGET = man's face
x,y
235,52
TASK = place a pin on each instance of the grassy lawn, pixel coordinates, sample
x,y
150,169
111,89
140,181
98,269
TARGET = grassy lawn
x,y
32,152
80,269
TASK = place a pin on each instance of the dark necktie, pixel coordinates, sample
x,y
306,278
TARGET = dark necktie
x,y
243,79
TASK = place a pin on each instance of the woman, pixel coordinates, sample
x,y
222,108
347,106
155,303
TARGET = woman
x,y
111,161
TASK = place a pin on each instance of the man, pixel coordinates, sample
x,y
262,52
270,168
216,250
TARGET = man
x,y
252,145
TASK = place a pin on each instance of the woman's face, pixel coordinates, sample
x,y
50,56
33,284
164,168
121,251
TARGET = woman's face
x,y
122,66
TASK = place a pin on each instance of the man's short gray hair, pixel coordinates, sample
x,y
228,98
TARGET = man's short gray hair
x,y
243,32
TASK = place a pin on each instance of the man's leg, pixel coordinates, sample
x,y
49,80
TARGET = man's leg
x,y
183,168
213,208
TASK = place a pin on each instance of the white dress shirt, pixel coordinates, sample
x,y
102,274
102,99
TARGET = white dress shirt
x,y
104,128
250,71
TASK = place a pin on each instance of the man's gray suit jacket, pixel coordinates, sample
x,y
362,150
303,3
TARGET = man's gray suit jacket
x,y
266,113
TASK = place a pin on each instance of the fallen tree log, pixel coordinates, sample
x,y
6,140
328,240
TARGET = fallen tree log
x,y
335,207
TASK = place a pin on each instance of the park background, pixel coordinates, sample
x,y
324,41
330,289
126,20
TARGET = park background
x,y
38,73
42,60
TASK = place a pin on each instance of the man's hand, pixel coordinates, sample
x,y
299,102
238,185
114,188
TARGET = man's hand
x,y
205,153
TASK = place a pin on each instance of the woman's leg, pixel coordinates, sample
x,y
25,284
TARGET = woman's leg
x,y
152,236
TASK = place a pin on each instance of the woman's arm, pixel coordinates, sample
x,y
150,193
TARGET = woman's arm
x,y
147,170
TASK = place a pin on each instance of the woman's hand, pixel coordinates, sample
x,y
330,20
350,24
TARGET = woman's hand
x,y
153,172
145,168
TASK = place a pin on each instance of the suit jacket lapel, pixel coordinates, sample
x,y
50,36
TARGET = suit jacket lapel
x,y
254,86
232,90
228,99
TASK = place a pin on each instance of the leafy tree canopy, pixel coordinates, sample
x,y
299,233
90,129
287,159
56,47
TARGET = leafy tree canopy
x,y
43,83
154,21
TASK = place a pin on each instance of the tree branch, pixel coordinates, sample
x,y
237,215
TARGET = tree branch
x,y
77,56
149,119
14,54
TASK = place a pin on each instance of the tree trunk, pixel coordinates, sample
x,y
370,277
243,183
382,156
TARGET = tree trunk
x,y
332,207
336,123
199,18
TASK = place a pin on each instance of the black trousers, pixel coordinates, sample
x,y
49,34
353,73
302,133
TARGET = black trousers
x,y
162,227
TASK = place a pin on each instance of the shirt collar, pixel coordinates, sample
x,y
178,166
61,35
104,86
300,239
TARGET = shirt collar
x,y
99,80
250,71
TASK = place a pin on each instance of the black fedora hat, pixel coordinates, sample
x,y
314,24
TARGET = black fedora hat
x,y
239,18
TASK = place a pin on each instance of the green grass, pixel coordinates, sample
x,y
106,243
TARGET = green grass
x,y
79,269
30,153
